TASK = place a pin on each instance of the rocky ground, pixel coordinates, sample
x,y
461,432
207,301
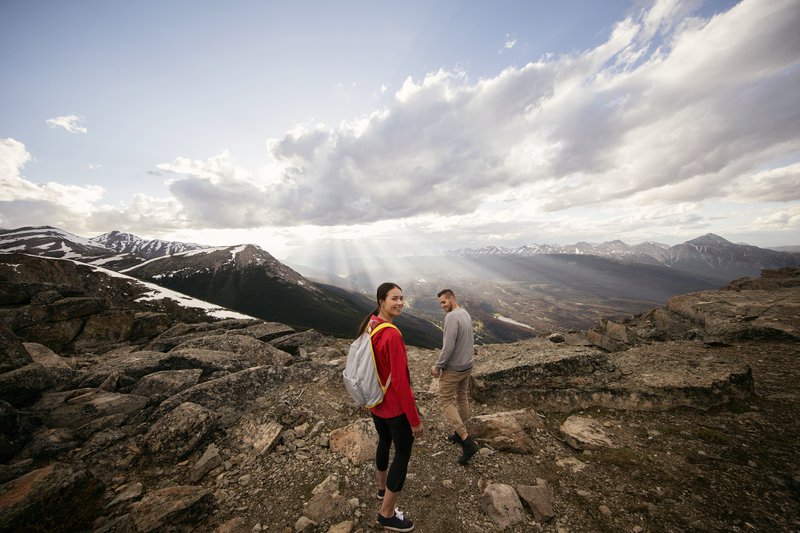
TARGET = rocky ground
x,y
245,426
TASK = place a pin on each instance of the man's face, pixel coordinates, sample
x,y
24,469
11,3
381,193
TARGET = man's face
x,y
446,302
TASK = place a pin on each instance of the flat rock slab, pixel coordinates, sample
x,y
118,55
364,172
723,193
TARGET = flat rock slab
x,y
544,375
584,433
76,408
356,441
743,313
168,508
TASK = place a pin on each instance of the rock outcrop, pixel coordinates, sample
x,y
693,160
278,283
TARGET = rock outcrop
x,y
118,415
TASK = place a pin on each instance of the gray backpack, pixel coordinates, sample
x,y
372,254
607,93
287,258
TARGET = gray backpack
x,y
360,372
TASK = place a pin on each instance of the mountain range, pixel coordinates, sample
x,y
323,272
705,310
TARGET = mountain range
x,y
709,256
511,294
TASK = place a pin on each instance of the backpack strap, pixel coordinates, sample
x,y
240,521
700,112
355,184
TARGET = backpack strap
x,y
375,330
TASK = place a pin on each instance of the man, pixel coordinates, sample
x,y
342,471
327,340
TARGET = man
x,y
453,368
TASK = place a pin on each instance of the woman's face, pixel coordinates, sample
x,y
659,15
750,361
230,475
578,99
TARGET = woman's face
x,y
393,304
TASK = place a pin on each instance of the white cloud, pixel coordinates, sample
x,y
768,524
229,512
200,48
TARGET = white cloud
x,y
71,123
788,218
639,136
509,43
628,120
48,203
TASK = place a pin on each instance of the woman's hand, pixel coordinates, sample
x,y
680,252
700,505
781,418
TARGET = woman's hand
x,y
416,431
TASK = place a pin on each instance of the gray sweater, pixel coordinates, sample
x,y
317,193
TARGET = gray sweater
x,y
458,345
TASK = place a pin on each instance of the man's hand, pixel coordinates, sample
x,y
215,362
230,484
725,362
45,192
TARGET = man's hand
x,y
416,431
435,372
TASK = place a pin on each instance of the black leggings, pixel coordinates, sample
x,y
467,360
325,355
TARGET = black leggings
x,y
397,430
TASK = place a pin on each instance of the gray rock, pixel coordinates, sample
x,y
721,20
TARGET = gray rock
x,y
50,442
75,307
257,353
356,441
171,507
342,527
310,340
506,431
148,324
265,331
131,492
583,433
57,497
138,364
233,389
502,505
109,327
539,499
12,352
54,335
256,435
209,461
304,525
79,407
324,507
24,385
180,431
159,386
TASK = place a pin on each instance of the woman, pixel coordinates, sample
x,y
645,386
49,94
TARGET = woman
x,y
396,418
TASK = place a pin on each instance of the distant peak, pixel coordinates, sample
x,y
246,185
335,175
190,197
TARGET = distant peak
x,y
710,238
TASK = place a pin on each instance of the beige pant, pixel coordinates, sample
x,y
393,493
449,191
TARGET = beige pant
x,y
454,398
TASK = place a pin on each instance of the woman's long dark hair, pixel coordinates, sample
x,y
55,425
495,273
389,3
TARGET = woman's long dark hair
x,y
381,293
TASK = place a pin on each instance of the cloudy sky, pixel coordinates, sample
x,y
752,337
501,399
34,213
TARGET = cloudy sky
x,y
396,128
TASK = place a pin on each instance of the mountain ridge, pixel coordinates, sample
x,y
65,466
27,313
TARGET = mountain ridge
x,y
567,286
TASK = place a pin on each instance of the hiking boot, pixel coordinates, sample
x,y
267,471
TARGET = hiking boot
x,y
380,494
470,448
455,438
396,523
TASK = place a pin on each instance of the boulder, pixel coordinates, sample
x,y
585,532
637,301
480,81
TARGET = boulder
x,y
506,431
54,335
57,497
170,508
266,331
76,408
105,328
12,352
180,431
256,436
325,506
237,388
24,385
138,364
75,307
16,430
297,343
50,442
501,503
356,441
159,386
539,498
207,462
129,492
148,325
46,357
257,352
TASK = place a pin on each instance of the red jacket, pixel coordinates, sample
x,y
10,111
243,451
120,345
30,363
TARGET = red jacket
x,y
390,355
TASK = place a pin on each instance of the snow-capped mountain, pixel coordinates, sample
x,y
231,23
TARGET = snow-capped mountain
x,y
51,242
244,278
127,243
709,255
